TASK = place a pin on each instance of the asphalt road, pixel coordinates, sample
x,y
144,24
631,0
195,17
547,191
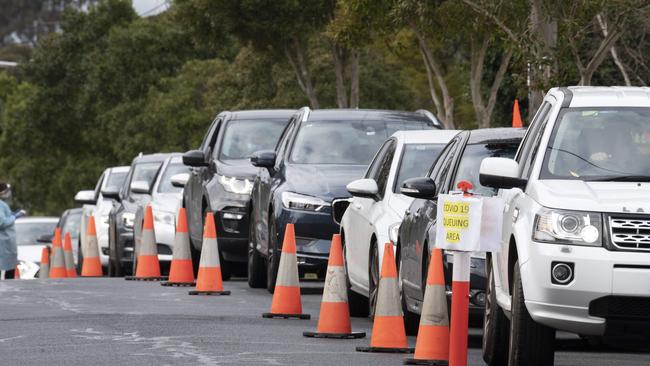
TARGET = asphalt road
x,y
115,322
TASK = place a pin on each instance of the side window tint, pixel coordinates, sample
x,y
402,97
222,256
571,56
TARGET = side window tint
x,y
528,163
526,145
441,158
373,168
384,168
282,143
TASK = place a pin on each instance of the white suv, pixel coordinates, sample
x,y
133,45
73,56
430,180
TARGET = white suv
x,y
576,231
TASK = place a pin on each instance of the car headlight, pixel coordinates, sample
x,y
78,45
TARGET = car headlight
x,y
393,232
568,227
163,217
128,218
297,201
236,185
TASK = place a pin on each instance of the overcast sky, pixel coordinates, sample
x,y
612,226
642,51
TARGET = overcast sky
x,y
149,7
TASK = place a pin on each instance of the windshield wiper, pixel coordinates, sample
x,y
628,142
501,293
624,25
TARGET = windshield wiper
x,y
624,178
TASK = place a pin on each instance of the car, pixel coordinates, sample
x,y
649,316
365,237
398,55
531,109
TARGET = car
x,y
222,178
319,152
94,203
459,161
377,207
70,222
135,192
33,233
575,252
166,197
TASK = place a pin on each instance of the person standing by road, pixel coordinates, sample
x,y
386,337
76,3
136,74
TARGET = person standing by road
x,y
8,250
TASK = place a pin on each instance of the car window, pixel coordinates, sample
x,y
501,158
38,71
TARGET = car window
x,y
242,138
28,232
72,225
373,168
526,145
99,184
471,159
115,180
144,172
415,162
384,168
165,185
343,141
594,144
211,137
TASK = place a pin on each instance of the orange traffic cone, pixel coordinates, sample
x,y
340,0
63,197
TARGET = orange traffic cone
x,y
334,319
286,298
16,273
91,266
388,331
181,272
432,345
68,257
57,270
44,271
516,115
148,266
209,281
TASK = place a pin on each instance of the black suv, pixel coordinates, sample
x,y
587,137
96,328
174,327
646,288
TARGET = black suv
x,y
136,191
222,178
319,153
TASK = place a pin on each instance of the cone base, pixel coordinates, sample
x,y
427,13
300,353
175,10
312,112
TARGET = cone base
x,y
286,316
133,278
209,293
353,335
385,350
178,284
415,361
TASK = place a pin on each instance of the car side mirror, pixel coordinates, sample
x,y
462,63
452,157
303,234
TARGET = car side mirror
x,y
263,159
364,188
195,158
140,186
85,197
111,193
339,205
501,173
179,180
423,188
45,238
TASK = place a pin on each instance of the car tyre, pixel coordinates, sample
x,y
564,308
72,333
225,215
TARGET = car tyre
x,y
273,261
357,303
411,319
495,327
531,343
80,257
256,269
373,278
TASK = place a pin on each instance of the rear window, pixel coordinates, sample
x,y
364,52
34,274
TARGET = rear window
x,y
345,142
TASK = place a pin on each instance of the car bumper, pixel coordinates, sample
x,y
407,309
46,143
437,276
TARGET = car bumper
x,y
314,232
232,221
598,273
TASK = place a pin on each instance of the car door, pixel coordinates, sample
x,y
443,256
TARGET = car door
x,y
358,236
193,192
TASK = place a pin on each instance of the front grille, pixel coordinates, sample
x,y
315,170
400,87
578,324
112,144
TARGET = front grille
x,y
630,233
621,307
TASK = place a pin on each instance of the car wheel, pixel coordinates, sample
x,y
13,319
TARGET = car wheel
x,y
411,319
256,269
495,327
531,344
357,303
373,278
273,261
80,257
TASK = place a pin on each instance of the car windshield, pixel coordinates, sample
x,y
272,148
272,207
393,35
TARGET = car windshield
x,y
242,138
116,180
145,172
416,161
165,185
599,144
72,224
345,142
28,232
471,160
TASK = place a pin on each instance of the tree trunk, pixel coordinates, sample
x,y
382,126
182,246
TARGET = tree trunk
x,y
340,56
540,73
432,64
354,79
294,52
603,27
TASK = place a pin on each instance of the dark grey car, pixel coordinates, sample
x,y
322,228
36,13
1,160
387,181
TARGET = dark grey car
x,y
460,160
